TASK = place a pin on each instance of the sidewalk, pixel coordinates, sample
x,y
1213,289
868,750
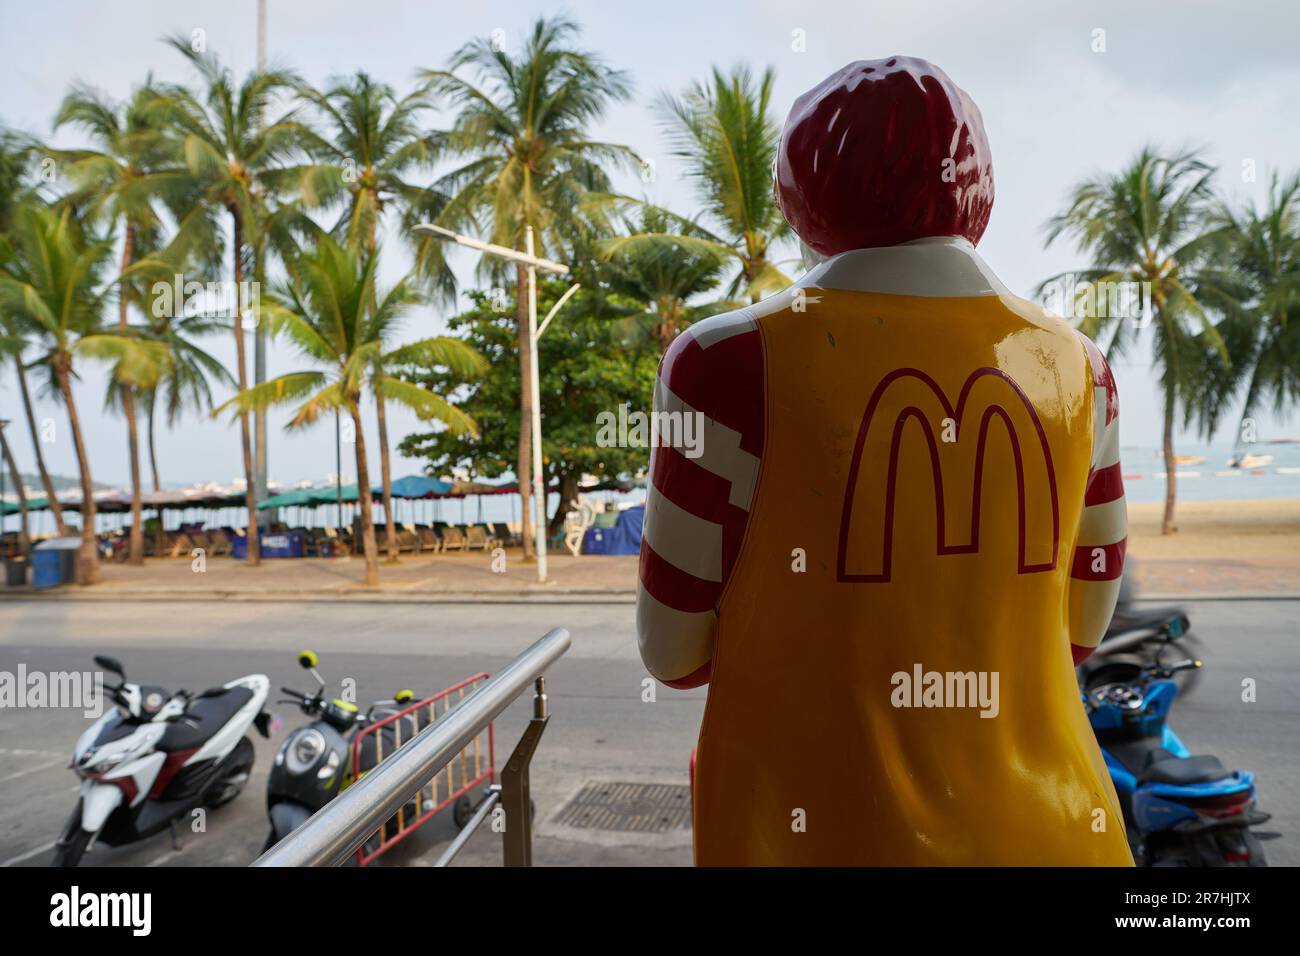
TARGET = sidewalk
x,y
1233,549
415,577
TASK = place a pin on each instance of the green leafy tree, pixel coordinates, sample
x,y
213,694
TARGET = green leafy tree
x,y
333,311
724,132
522,128
664,276
54,283
16,155
245,162
386,382
132,172
375,142
1256,284
586,371
1147,224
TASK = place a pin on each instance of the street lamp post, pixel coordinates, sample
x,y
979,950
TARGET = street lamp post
x,y
530,260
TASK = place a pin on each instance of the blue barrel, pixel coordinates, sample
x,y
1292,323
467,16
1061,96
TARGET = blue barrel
x,y
47,568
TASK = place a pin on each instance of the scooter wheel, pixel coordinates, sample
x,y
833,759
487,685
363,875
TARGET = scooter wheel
x,y
69,850
1256,850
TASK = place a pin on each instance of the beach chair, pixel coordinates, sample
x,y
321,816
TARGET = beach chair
x,y
453,539
475,537
219,543
181,544
428,539
501,531
407,538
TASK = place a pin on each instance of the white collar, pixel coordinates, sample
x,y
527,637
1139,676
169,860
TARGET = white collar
x,y
939,267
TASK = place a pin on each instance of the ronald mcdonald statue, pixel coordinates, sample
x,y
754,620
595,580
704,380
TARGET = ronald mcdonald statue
x,y
901,525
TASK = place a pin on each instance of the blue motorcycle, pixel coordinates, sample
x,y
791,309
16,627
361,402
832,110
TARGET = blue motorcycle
x,y
1179,809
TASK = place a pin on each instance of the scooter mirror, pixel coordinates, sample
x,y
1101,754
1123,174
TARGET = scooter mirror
x,y
111,664
307,659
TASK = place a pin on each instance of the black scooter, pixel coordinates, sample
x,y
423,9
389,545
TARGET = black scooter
x,y
313,765
1138,634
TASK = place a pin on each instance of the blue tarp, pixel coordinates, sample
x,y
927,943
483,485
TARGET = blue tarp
x,y
623,538
287,544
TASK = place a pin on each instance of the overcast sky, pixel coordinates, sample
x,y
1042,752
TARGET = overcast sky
x,y
1224,77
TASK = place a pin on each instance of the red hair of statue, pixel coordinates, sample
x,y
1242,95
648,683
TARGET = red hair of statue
x,y
883,152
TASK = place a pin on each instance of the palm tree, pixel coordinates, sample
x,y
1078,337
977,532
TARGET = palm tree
x,y
133,170
1147,224
336,316
386,383
53,281
7,461
523,128
187,380
375,142
1260,256
725,134
665,276
241,161
15,156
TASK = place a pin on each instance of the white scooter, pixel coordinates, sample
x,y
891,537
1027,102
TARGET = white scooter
x,y
157,756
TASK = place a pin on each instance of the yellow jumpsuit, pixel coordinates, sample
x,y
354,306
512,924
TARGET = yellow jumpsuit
x,y
886,415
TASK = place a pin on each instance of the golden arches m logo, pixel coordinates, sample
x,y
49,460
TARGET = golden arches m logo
x,y
1014,410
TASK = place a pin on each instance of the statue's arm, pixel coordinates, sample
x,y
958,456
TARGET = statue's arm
x,y
708,414
1098,561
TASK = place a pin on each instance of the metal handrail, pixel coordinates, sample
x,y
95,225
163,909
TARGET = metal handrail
x,y
342,825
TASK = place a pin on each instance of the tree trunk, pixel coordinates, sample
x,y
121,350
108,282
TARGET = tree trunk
x,y
525,462
56,509
568,501
153,450
385,476
250,488
24,529
1171,482
88,557
663,331
363,495
135,547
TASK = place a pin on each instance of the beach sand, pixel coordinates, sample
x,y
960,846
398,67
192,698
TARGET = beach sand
x,y
1220,547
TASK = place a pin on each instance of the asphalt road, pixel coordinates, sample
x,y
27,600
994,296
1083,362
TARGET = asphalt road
x,y
602,729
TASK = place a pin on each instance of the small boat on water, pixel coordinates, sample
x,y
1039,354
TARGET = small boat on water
x,y
1250,461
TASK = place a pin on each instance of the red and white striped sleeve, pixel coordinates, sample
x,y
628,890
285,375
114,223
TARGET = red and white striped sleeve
x,y
1098,561
700,493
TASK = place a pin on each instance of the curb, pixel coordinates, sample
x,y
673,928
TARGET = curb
x,y
549,596
539,596
1220,596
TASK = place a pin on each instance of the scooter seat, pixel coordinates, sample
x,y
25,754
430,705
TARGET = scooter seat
x,y
1180,771
210,713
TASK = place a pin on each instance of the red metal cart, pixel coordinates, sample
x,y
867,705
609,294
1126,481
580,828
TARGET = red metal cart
x,y
456,782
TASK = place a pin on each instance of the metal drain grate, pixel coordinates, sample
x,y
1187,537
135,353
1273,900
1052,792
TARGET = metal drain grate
x,y
629,808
